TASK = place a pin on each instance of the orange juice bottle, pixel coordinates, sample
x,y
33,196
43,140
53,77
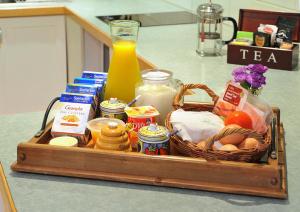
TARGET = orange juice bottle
x,y
124,70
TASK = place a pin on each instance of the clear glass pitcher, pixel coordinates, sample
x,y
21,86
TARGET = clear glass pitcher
x,y
124,70
158,89
210,19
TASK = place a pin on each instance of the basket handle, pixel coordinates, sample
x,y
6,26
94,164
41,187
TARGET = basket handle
x,y
184,88
229,131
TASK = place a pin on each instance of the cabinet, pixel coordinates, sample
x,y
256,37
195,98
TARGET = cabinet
x,y
75,48
93,53
32,62
85,52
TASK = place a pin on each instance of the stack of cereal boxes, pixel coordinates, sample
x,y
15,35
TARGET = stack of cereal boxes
x,y
79,103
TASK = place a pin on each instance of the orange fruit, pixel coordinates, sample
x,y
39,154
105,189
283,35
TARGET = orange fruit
x,y
240,118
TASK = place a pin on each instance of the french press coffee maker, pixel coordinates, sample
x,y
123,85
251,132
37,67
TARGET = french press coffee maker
x,y
210,21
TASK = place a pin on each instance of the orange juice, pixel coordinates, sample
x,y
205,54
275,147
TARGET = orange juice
x,y
124,71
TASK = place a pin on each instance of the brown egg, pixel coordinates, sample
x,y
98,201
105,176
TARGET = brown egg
x,y
217,145
228,148
234,139
202,144
214,147
249,143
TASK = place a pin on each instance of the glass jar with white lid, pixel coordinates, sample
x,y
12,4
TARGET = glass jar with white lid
x,y
157,89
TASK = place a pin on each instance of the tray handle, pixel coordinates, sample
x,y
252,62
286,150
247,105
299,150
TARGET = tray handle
x,y
41,131
273,146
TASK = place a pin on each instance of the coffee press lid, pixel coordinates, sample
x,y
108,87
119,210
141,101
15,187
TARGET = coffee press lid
x,y
210,10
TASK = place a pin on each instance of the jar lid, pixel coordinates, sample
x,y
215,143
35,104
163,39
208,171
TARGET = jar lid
x,y
113,129
97,124
113,104
141,112
153,133
209,10
156,75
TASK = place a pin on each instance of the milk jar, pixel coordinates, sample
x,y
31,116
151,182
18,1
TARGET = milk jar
x,y
158,89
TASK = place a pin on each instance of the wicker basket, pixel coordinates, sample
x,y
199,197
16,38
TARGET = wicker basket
x,y
191,149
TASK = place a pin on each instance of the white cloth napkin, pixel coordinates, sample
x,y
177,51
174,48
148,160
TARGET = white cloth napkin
x,y
196,126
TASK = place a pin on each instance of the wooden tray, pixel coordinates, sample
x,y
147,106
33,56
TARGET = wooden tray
x,y
6,201
265,179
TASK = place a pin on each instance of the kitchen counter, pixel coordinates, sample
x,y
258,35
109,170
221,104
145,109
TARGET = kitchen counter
x,y
168,47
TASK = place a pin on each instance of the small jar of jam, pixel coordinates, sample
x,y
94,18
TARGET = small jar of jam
x,y
153,140
113,108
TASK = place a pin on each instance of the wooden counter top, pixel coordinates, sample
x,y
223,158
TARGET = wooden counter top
x,y
25,12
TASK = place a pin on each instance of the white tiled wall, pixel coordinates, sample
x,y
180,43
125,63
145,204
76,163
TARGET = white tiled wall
x,y
231,7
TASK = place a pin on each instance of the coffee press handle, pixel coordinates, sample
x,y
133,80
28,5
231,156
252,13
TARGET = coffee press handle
x,y
235,28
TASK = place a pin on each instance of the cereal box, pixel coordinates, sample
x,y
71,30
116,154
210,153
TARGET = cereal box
x,y
99,83
94,75
86,81
82,89
85,89
73,115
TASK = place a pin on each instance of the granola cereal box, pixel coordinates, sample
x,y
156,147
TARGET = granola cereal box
x,y
72,118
